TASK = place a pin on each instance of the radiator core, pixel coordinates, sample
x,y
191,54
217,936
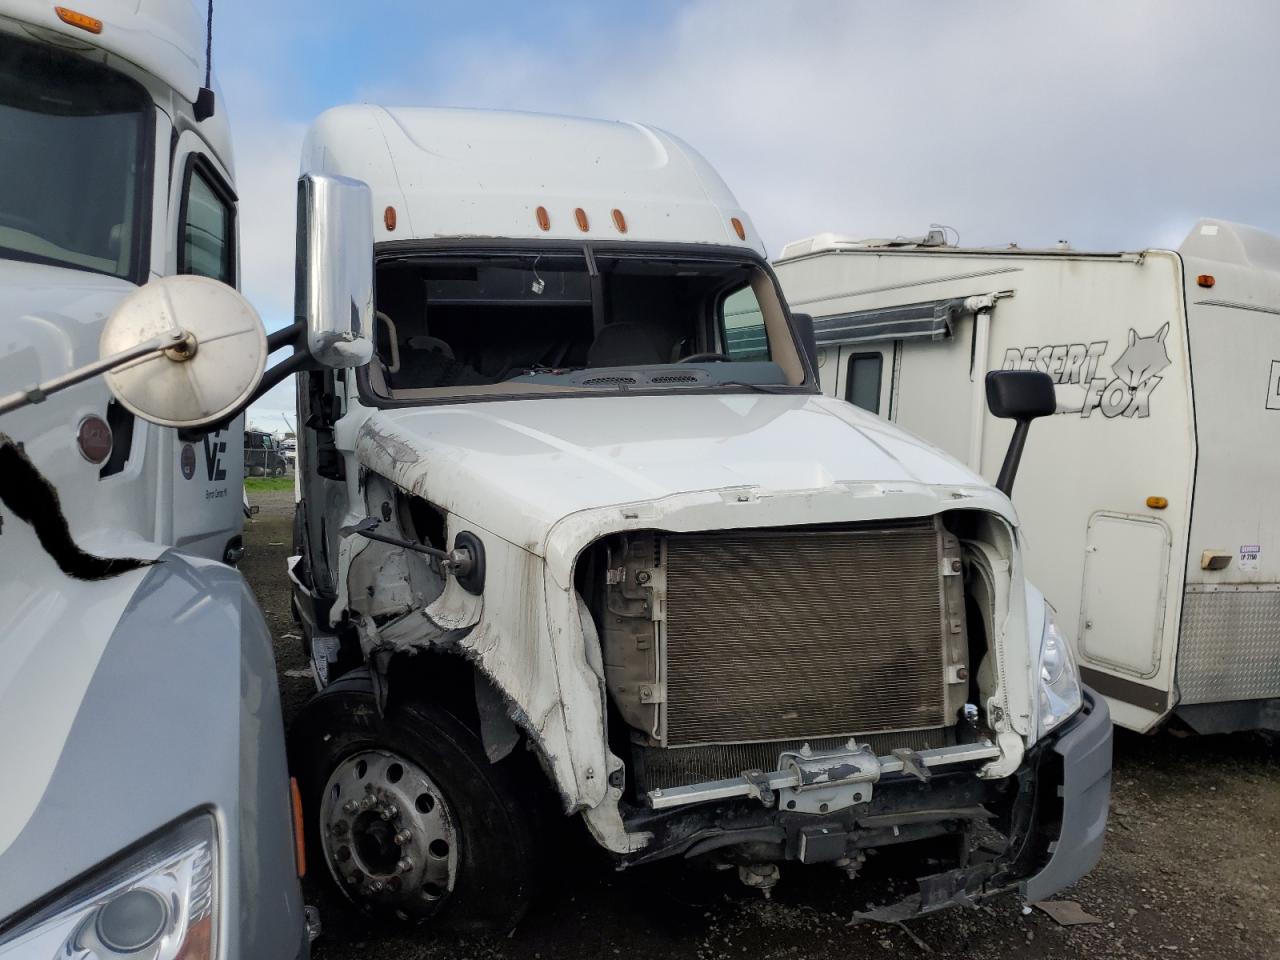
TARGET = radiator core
x,y
774,635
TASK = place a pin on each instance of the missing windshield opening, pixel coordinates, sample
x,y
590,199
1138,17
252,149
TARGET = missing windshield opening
x,y
512,323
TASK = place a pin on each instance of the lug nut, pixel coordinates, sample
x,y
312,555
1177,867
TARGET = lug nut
x,y
375,886
351,880
339,829
351,806
390,812
403,837
368,802
405,866
343,854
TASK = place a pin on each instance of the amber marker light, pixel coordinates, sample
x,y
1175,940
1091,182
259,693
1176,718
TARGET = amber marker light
x,y
1205,280
1157,503
580,215
299,840
619,221
738,228
389,219
75,18
544,218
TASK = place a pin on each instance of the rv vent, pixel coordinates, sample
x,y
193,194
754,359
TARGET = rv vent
x,y
606,381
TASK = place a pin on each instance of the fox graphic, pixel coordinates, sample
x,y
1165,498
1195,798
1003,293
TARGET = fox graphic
x,y
1074,367
1142,359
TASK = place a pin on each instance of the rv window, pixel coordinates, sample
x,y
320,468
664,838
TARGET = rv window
x,y
207,230
862,381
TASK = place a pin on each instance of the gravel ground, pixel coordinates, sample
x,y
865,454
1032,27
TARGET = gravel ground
x,y
1191,867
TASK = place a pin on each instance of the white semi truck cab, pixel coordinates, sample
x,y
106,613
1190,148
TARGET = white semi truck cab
x,y
146,802
585,526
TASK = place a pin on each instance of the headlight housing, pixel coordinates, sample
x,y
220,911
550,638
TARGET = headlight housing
x,y
159,902
1060,693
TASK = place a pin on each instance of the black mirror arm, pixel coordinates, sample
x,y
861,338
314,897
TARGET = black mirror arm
x,y
1012,457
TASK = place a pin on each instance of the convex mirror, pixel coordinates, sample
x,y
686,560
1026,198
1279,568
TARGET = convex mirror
x,y
214,366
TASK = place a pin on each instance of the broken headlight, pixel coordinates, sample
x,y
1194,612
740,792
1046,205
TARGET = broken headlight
x,y
157,903
1060,694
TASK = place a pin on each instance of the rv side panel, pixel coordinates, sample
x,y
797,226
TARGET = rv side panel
x,y
1231,637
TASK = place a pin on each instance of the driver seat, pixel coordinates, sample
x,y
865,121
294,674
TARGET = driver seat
x,y
623,344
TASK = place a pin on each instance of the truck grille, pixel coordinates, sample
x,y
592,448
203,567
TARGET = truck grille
x,y
776,635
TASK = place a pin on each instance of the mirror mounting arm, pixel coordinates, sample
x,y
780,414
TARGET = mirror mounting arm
x,y
42,391
1020,396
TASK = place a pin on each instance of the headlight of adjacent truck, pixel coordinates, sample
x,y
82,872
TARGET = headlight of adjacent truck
x,y
1060,694
159,902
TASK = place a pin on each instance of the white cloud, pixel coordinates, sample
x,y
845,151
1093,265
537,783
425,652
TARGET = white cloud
x,y
1104,123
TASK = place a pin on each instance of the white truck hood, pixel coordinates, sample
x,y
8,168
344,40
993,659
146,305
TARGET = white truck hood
x,y
518,467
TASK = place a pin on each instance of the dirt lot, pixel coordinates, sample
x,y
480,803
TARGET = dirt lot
x,y
1191,867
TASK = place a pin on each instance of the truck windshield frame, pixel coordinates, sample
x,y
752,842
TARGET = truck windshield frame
x,y
578,278
76,157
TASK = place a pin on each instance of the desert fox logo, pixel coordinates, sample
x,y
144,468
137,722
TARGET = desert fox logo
x,y
1074,369
1142,359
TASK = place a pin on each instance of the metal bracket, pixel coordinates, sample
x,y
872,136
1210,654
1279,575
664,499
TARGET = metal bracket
x,y
913,765
758,786
849,775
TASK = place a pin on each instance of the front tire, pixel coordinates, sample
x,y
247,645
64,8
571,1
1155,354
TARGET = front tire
x,y
409,816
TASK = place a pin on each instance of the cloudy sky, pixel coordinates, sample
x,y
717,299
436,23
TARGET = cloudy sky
x,y
1108,124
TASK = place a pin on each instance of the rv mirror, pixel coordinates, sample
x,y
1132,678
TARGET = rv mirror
x,y
803,323
211,354
1021,396
334,278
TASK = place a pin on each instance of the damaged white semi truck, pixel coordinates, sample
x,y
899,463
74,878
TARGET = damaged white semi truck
x,y
561,517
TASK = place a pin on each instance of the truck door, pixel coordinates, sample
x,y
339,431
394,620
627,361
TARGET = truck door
x,y
202,471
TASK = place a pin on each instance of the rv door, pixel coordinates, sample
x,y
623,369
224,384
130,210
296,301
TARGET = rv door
x,y
864,375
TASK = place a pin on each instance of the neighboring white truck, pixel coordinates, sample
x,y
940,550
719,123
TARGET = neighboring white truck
x,y
563,536
1149,499
145,811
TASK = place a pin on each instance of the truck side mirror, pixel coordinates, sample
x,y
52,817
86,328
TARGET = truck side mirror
x,y
1021,396
333,283
803,323
184,351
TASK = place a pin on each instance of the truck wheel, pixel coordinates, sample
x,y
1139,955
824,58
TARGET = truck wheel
x,y
257,471
279,471
407,813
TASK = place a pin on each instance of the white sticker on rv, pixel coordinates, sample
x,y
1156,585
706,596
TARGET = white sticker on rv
x,y
1075,369
1249,555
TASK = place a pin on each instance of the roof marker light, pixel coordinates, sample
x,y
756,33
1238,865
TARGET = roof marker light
x,y
389,219
581,216
1157,503
738,228
1205,280
619,221
544,218
76,19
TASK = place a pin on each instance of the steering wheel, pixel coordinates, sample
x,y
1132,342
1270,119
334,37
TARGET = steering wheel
x,y
708,357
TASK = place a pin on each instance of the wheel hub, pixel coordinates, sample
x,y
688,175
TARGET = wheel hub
x,y
388,835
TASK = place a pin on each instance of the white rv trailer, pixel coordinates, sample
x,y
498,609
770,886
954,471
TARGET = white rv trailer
x,y
1149,501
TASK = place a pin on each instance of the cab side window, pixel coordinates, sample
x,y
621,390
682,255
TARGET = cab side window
x,y
743,325
207,225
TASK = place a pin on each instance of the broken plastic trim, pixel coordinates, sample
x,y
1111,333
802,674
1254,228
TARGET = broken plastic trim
x,y
32,498
751,783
